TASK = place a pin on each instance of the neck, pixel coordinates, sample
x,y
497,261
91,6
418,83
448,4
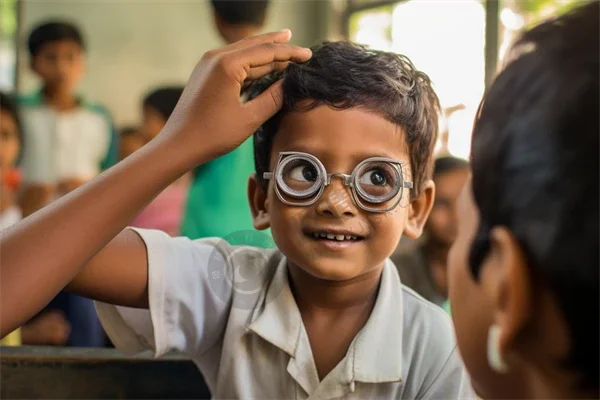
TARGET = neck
x,y
312,293
550,383
60,99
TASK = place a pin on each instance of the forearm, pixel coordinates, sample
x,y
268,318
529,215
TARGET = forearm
x,y
46,251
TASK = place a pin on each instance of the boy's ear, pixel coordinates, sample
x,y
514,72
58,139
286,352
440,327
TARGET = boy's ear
x,y
33,64
418,211
258,204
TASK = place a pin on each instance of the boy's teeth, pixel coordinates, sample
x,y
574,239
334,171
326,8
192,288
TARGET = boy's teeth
x,y
331,236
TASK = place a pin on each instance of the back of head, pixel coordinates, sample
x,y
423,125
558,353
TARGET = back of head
x,y
164,100
53,31
343,75
535,170
241,12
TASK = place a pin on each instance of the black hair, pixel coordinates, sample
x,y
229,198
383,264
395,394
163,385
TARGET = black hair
x,y
448,164
164,100
535,170
343,75
53,31
8,105
237,12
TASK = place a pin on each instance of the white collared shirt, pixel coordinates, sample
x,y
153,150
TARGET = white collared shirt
x,y
245,332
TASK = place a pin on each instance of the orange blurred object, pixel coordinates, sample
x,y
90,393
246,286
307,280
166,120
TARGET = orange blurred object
x,y
12,178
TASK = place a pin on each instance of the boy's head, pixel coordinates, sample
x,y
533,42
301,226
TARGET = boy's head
x,y
11,139
157,108
238,19
449,176
526,257
347,104
56,52
129,142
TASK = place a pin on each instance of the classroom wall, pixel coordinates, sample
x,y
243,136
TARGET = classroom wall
x,y
136,45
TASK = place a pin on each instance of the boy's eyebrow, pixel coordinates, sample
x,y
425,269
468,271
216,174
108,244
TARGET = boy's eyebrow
x,y
358,156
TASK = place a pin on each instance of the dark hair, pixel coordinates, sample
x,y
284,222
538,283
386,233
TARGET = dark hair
x,y
535,170
448,164
164,100
251,12
9,106
342,75
53,31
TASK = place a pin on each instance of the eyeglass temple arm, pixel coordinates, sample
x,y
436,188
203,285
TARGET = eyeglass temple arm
x,y
269,175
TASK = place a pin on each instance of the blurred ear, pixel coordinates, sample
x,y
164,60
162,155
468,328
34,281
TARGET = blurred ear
x,y
506,280
258,204
418,211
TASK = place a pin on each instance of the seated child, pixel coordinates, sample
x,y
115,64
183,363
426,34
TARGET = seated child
x,y
165,211
343,170
422,264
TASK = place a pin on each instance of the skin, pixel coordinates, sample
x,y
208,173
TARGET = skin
x,y
441,226
108,264
60,65
336,288
534,335
129,144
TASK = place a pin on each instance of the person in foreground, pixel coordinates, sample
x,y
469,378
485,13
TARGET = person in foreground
x,y
524,278
322,316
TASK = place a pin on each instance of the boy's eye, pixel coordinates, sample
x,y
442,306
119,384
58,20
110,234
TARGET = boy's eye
x,y
374,177
303,173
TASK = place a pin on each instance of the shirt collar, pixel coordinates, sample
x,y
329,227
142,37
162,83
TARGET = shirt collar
x,y
374,356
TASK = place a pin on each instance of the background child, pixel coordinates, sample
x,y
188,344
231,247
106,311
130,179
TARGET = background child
x,y
165,211
524,277
69,141
209,199
130,141
422,265
50,327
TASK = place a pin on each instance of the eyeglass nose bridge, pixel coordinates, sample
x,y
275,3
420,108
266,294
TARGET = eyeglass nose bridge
x,y
346,179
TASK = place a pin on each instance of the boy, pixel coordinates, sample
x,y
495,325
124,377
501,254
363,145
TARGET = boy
x,y
69,141
208,197
422,265
324,315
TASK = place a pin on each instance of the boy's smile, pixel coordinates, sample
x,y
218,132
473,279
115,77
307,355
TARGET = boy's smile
x,y
334,239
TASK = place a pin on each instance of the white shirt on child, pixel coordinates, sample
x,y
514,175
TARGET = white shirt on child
x,y
63,145
250,342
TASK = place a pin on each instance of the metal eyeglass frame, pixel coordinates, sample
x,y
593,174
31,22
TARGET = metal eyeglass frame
x,y
325,180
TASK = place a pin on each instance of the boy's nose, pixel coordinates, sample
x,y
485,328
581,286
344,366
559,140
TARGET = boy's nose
x,y
336,201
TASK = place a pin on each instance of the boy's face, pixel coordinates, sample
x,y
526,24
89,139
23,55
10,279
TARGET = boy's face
x,y
60,64
442,224
340,140
9,141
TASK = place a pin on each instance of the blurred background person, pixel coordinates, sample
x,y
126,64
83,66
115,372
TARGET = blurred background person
x,y
130,140
422,264
217,205
166,210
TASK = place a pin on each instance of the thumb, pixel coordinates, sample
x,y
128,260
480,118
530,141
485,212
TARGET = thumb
x,y
266,105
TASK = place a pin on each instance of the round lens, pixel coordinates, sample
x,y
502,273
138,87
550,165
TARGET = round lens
x,y
378,181
299,177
